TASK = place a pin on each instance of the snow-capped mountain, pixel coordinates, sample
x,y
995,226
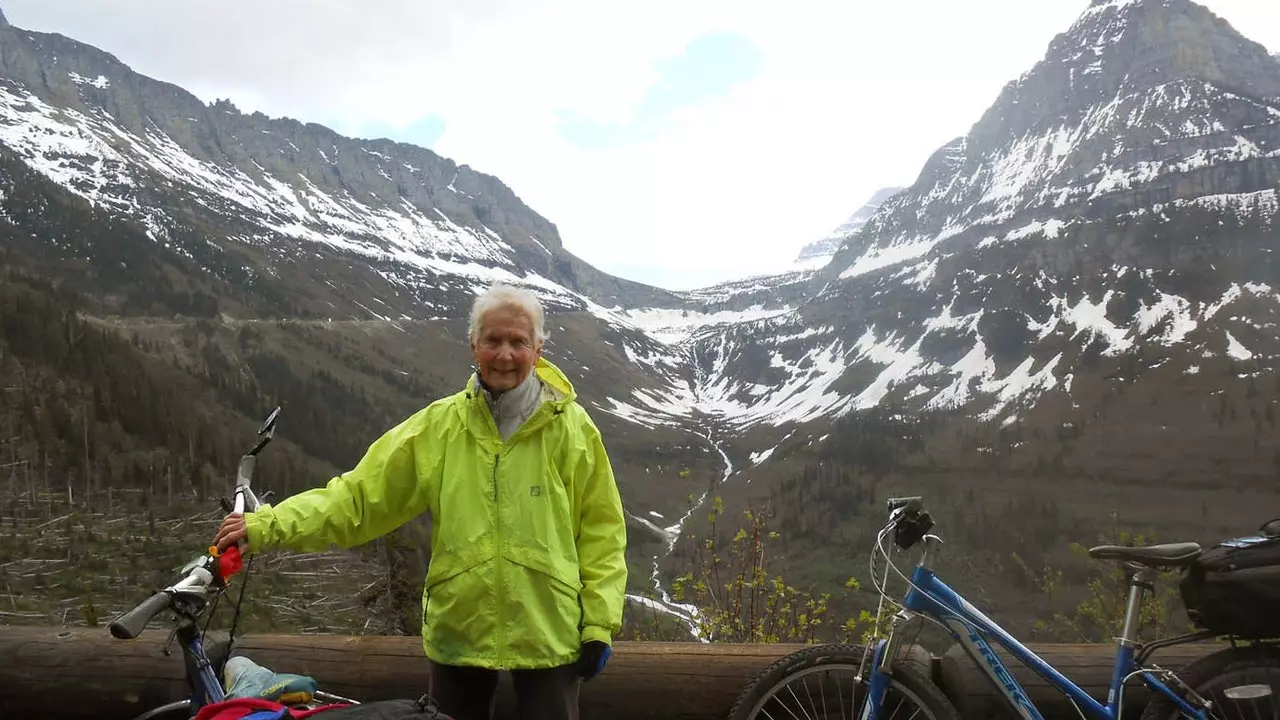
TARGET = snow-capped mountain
x,y
1118,199
417,233
817,254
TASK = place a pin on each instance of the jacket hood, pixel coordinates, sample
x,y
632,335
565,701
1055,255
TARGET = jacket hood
x,y
555,379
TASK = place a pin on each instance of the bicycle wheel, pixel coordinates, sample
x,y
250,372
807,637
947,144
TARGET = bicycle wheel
x,y
1238,684
821,682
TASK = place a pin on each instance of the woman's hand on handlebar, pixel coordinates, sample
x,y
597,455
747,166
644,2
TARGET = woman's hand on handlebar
x,y
232,531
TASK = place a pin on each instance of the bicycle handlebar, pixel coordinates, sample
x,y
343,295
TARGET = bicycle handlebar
x,y
215,568
200,574
245,500
908,504
131,624
195,583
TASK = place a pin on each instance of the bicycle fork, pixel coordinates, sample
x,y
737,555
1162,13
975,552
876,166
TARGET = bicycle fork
x,y
881,659
887,649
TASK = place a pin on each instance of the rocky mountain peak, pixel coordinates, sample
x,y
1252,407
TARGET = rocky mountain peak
x,y
4,22
819,252
1120,47
1135,104
864,213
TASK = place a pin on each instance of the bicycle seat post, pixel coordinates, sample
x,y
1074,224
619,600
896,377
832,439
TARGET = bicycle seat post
x,y
1141,579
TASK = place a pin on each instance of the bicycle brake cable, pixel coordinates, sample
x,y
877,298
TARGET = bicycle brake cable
x,y
213,609
235,617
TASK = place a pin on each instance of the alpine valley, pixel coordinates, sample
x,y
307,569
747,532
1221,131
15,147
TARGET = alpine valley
x,y
1065,327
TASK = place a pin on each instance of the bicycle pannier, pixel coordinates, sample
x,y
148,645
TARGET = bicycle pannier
x,y
1233,588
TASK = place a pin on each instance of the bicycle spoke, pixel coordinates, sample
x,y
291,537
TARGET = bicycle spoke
x,y
840,694
896,708
914,714
798,701
805,680
822,693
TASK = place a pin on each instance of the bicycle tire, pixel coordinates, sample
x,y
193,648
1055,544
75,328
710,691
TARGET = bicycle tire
x,y
1210,671
902,676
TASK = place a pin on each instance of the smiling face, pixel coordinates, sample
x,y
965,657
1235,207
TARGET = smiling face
x,y
505,349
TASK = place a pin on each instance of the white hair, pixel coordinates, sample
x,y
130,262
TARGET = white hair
x,y
502,295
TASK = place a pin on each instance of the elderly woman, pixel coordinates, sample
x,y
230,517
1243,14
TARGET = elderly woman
x,y
527,571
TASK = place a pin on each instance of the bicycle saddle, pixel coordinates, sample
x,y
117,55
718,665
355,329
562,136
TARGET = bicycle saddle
x,y
1157,556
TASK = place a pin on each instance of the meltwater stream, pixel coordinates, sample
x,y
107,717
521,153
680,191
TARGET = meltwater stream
x,y
687,614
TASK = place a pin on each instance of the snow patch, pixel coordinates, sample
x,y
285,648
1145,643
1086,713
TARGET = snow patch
x,y
1235,350
101,82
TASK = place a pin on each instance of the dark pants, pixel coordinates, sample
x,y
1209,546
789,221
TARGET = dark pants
x,y
468,693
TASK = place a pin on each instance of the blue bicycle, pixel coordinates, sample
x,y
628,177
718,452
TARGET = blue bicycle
x,y
807,684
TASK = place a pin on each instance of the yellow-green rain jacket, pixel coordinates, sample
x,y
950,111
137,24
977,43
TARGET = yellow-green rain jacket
x,y
528,536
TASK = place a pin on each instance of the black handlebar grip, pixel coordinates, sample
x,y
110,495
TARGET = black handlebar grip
x,y
131,624
911,503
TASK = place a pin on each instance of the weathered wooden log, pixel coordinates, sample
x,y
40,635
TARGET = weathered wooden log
x,y
85,673
1087,665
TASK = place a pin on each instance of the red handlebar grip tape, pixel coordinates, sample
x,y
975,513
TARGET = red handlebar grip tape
x,y
230,562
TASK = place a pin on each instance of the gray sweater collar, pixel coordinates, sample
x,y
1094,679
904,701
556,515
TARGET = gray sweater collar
x,y
511,408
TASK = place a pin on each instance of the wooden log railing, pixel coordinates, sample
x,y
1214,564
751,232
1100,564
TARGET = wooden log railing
x,y
84,673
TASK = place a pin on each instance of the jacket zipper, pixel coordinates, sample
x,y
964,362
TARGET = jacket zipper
x,y
498,559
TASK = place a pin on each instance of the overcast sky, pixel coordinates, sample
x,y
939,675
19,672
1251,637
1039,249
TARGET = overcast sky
x,y
676,142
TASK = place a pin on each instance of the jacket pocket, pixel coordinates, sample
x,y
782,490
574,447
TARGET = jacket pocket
x,y
562,570
544,608
458,618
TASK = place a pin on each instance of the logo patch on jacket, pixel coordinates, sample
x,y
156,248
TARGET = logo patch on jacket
x,y
535,490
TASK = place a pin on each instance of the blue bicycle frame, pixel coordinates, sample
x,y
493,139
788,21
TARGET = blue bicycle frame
x,y
205,690
931,597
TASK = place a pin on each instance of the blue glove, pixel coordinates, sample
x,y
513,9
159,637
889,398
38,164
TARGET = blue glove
x,y
592,659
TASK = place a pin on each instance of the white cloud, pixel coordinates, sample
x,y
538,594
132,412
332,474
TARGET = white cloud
x,y
851,97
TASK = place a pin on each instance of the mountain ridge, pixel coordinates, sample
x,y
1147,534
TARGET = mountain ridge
x,y
344,192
